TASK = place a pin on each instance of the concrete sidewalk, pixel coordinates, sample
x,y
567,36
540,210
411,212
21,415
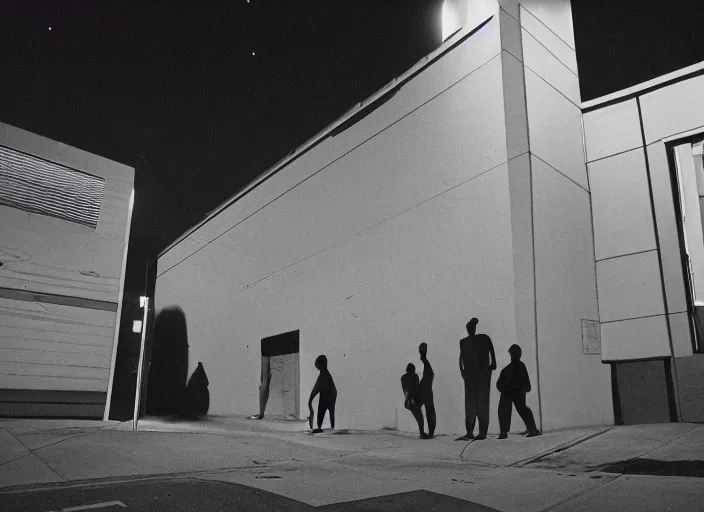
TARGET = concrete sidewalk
x,y
557,469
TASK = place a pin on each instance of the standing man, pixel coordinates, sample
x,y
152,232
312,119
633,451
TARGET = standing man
x,y
477,361
425,389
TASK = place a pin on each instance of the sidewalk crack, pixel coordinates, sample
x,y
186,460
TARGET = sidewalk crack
x,y
32,452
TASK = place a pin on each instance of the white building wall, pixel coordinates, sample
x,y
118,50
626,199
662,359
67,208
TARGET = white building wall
x,y
565,282
394,232
633,264
60,337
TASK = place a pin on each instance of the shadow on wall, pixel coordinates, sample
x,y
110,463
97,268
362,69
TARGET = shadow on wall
x,y
197,398
168,370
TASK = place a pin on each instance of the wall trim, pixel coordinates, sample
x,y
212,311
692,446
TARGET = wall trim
x,y
62,300
118,319
644,88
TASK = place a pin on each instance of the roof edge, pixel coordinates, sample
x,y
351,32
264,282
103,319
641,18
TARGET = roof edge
x,y
455,39
644,87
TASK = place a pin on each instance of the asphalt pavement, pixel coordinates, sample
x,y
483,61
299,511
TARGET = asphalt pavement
x,y
189,494
235,464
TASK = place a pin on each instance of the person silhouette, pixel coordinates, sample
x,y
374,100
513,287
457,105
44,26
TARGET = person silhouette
x,y
324,386
425,389
513,384
409,385
197,396
477,361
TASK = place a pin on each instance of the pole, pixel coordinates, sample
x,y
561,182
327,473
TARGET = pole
x,y
140,368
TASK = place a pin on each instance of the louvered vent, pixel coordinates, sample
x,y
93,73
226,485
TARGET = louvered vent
x,y
38,186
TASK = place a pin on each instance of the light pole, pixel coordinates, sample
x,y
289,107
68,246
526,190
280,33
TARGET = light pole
x,y
144,303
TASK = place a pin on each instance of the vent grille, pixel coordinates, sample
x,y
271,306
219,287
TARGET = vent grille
x,y
38,186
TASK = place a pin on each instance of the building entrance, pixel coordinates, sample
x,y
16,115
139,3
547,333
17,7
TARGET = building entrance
x,y
280,354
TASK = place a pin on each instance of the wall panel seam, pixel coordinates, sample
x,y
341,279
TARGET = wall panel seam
x,y
555,88
559,172
532,239
550,52
547,27
633,318
369,228
659,252
614,154
626,255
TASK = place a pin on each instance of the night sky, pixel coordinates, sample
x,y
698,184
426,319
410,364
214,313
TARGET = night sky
x,y
202,97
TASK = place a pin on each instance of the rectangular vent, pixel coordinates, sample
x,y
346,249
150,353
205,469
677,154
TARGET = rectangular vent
x,y
39,186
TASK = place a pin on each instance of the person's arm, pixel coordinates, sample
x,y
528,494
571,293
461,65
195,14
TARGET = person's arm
x,y
492,366
427,368
316,390
461,365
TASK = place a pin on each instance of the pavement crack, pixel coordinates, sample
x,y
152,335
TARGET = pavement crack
x,y
557,449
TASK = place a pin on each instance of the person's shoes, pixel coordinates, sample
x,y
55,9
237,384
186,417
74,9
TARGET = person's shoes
x,y
316,431
256,417
534,433
480,437
423,435
503,435
467,437
525,432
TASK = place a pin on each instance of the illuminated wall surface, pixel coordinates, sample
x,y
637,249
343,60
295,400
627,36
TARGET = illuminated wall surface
x,y
63,230
462,189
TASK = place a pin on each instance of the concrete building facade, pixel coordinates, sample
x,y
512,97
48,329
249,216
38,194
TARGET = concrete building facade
x,y
463,188
64,226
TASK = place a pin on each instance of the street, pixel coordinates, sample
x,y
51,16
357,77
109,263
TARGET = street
x,y
187,494
233,464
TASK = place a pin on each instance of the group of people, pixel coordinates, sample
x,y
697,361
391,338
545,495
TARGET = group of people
x,y
477,361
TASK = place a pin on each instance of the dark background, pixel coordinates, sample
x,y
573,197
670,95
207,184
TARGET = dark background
x,y
174,90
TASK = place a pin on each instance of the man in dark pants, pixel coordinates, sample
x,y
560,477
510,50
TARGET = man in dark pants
x,y
425,389
477,361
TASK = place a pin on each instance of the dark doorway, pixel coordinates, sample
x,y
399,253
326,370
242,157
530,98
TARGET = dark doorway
x,y
643,392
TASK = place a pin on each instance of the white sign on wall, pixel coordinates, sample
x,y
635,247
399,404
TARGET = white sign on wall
x,y
591,337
